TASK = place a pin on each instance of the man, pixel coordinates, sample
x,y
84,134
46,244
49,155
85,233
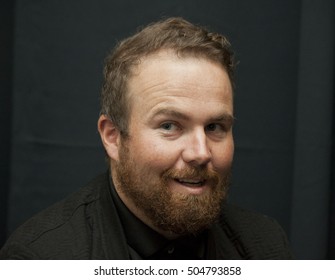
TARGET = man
x,y
166,125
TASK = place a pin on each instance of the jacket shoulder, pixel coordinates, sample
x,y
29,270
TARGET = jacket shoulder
x,y
255,236
48,234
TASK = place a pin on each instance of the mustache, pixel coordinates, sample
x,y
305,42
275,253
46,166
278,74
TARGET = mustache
x,y
192,173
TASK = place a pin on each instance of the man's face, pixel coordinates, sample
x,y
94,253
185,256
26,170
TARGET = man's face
x,y
174,168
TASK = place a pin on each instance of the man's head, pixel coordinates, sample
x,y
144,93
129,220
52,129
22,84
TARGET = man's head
x,y
166,124
176,34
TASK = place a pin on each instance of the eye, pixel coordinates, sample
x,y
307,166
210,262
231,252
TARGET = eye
x,y
170,129
168,126
217,129
214,127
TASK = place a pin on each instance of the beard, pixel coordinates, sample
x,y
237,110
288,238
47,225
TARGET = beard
x,y
169,210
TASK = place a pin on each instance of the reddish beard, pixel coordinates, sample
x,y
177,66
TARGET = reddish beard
x,y
171,211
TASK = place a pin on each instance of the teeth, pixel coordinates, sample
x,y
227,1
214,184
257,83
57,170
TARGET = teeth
x,y
189,181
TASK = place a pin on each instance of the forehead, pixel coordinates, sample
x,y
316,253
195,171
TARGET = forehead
x,y
168,60
164,78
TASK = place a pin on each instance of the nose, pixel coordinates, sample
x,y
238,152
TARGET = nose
x,y
197,151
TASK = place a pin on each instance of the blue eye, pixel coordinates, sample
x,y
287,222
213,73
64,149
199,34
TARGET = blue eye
x,y
212,127
216,128
167,126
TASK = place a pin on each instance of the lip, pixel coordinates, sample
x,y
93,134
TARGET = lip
x,y
189,186
194,182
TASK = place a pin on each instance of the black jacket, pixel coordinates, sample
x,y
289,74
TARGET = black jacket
x,y
86,226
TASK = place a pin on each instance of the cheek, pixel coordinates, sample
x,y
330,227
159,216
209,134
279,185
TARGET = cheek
x,y
150,152
223,156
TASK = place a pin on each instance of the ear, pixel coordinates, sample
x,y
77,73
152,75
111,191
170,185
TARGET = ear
x,y
110,137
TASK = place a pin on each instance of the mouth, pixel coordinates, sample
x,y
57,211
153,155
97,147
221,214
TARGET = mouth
x,y
192,183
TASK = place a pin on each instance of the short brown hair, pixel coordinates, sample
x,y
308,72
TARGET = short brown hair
x,y
176,34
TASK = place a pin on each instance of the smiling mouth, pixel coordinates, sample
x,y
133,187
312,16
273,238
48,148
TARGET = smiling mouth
x,y
191,182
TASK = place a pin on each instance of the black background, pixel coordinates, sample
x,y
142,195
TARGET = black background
x,y
51,63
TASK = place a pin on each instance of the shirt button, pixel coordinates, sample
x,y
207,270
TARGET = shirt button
x,y
170,249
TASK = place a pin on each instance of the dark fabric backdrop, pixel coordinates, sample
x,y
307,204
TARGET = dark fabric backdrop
x,y
51,63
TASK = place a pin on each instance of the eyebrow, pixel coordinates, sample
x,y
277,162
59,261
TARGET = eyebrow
x,y
225,117
170,113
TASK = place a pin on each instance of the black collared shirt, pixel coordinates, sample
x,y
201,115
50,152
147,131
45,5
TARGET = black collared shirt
x,y
146,243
